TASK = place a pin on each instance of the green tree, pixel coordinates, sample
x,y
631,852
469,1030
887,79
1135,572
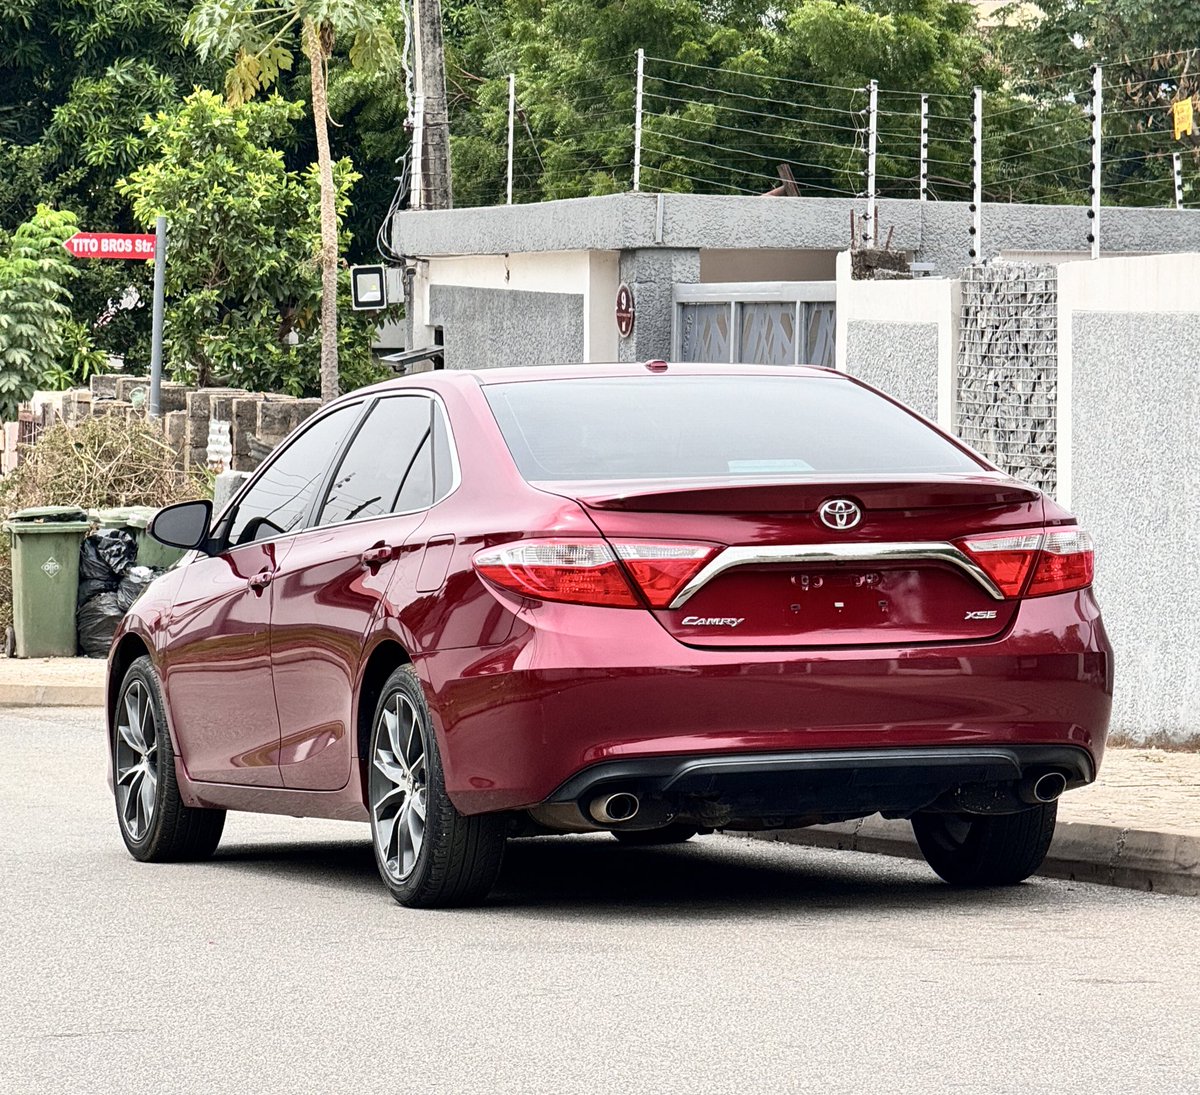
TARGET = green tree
x,y
1150,53
261,35
35,320
79,77
732,90
243,288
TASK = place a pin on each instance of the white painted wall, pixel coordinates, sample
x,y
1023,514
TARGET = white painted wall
x,y
1149,283
922,300
591,274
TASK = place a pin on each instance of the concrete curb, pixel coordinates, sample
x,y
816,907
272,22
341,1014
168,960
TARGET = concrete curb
x,y
51,695
1140,859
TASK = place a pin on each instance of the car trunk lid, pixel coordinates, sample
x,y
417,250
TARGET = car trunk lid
x,y
783,577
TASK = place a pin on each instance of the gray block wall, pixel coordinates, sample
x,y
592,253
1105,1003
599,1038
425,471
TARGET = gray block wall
x,y
898,358
652,273
1136,487
489,328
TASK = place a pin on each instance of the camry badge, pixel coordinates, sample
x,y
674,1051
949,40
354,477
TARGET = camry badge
x,y
713,621
840,513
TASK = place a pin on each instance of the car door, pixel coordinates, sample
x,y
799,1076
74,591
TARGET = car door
x,y
336,574
218,664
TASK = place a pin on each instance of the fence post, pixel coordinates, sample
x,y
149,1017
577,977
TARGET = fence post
x,y
1178,166
872,150
1097,130
637,122
924,147
976,251
512,109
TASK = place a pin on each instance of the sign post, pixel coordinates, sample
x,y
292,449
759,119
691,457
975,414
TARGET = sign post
x,y
156,331
134,246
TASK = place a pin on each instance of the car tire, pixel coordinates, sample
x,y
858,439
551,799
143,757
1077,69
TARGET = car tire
x,y
442,859
675,833
978,850
155,823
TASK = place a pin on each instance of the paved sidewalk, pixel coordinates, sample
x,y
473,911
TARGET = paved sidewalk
x,y
1137,826
52,682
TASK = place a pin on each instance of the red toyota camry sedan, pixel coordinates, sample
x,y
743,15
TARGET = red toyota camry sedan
x,y
652,600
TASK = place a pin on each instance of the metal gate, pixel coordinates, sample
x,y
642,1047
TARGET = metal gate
x,y
761,323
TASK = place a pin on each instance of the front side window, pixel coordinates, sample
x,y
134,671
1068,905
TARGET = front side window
x,y
385,470
279,499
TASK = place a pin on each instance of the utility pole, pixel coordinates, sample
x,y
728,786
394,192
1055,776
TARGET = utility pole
x,y
436,188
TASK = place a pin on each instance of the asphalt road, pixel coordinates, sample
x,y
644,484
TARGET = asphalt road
x,y
726,965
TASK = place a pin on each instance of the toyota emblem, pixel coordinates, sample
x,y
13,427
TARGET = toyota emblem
x,y
840,513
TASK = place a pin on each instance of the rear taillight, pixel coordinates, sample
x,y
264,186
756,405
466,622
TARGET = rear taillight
x,y
584,573
1034,563
588,573
1066,562
662,570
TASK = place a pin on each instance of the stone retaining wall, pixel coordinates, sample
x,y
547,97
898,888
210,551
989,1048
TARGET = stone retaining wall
x,y
258,421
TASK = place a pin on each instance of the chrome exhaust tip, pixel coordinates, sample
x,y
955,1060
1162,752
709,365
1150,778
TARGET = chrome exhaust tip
x,y
1046,788
1039,790
614,808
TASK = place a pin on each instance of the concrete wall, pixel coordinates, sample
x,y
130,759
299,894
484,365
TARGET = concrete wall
x,y
901,336
652,273
767,265
934,232
490,328
1129,343
587,280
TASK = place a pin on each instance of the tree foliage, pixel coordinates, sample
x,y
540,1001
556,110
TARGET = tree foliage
x,y
242,280
79,77
260,35
34,314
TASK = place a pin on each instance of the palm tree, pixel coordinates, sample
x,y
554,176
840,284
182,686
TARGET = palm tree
x,y
259,35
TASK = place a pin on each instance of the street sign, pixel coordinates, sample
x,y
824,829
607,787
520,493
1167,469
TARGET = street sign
x,y
624,311
368,290
111,245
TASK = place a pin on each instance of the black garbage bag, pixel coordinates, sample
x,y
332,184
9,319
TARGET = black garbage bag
x,y
89,587
106,555
133,584
96,621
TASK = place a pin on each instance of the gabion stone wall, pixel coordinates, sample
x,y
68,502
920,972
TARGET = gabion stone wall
x,y
1006,395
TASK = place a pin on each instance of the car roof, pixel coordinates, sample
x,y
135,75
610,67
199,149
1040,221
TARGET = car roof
x,y
525,373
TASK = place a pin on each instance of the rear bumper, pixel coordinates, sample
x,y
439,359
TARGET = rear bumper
x,y
776,790
574,688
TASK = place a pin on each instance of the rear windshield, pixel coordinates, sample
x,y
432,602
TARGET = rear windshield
x,y
670,427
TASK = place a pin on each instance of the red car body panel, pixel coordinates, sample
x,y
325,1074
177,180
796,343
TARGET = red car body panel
x,y
265,689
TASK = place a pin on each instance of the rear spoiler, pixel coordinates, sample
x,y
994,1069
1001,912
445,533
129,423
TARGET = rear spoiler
x,y
795,495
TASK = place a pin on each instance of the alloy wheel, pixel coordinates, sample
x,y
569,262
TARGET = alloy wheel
x,y
399,787
136,760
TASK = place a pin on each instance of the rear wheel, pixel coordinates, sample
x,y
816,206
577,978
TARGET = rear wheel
x,y
429,855
996,850
155,824
675,833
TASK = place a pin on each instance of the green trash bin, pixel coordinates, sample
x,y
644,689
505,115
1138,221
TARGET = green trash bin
x,y
135,520
45,573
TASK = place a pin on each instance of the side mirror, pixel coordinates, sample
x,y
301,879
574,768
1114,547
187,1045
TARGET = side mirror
x,y
184,525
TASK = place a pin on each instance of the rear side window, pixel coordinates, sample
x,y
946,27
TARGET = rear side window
x,y
386,468
669,427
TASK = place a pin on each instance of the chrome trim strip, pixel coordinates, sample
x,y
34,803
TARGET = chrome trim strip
x,y
918,552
